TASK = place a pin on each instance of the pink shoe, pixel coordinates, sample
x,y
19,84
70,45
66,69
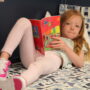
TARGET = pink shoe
x,y
19,83
4,64
16,83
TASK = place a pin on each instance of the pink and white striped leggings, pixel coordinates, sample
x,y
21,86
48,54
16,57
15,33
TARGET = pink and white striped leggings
x,y
36,64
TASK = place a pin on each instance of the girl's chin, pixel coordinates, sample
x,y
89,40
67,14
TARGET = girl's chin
x,y
71,37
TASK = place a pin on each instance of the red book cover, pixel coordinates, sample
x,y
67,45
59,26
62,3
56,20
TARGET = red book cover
x,y
43,29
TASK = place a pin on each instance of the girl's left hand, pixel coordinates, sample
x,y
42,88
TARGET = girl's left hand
x,y
57,43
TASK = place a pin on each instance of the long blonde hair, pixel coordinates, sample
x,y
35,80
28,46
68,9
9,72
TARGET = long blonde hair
x,y
79,41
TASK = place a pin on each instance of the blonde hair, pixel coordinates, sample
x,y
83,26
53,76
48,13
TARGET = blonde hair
x,y
79,41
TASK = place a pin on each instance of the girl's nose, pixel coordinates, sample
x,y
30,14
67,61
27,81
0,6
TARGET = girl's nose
x,y
72,27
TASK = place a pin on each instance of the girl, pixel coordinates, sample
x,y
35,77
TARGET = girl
x,y
71,43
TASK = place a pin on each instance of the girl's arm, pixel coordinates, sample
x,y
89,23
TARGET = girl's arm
x,y
77,60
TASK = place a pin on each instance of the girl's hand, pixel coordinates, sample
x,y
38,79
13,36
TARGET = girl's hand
x,y
57,43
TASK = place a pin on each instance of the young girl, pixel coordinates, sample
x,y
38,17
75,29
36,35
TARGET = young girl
x,y
72,29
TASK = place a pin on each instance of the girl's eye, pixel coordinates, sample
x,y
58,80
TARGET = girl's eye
x,y
67,23
78,26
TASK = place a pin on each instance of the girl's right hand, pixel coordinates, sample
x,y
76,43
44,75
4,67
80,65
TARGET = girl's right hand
x,y
57,43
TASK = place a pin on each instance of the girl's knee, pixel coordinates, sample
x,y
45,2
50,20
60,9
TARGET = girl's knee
x,y
54,59
24,21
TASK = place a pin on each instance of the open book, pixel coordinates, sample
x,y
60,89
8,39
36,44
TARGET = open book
x,y
43,29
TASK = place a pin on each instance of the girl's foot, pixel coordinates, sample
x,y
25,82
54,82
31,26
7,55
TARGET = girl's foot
x,y
19,83
16,83
4,64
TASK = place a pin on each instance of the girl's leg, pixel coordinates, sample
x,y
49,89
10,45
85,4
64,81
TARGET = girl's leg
x,y
43,65
21,34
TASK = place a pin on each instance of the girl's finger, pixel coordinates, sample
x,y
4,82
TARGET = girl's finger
x,y
55,46
54,42
56,38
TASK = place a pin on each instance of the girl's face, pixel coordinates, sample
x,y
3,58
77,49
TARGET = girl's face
x,y
72,27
